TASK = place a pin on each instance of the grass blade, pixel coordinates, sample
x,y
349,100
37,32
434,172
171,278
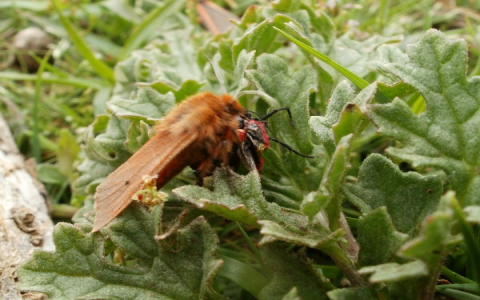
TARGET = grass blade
x,y
48,78
358,81
455,277
470,288
99,66
459,294
38,5
471,241
35,140
142,31
243,275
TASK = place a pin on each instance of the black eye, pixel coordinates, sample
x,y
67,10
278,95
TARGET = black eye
x,y
241,122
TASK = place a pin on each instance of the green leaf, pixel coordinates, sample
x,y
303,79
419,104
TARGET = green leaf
x,y
408,197
261,38
137,135
351,121
285,5
315,236
109,146
343,122
133,231
435,238
105,150
246,204
446,134
148,104
357,56
282,185
168,65
333,179
322,125
244,61
67,152
473,213
395,272
293,92
291,270
99,101
78,269
353,293
292,15
49,173
324,28
292,295
374,229
343,115
188,88
314,203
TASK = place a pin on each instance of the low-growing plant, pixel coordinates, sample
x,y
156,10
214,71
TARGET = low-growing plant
x,y
378,213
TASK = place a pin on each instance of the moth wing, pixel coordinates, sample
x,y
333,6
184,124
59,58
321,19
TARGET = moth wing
x,y
157,156
214,17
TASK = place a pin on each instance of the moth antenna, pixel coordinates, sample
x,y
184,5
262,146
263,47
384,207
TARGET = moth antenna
x,y
254,113
290,148
279,110
283,144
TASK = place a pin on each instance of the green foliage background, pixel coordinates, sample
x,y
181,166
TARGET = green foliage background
x,y
388,107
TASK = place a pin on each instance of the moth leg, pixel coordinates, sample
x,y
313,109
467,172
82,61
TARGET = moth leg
x,y
213,160
203,170
220,158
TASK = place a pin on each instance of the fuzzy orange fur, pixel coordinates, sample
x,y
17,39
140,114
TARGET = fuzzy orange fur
x,y
199,131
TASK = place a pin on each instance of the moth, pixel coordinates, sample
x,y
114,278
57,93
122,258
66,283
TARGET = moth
x,y
202,132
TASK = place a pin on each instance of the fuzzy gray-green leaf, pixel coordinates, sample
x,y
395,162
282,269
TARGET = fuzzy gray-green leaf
x,y
291,270
396,272
378,239
78,268
147,104
446,134
409,197
293,92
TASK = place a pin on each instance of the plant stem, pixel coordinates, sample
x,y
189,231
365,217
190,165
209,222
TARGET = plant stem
x,y
431,281
352,246
345,263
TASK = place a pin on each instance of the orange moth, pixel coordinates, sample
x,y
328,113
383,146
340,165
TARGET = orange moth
x,y
200,133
